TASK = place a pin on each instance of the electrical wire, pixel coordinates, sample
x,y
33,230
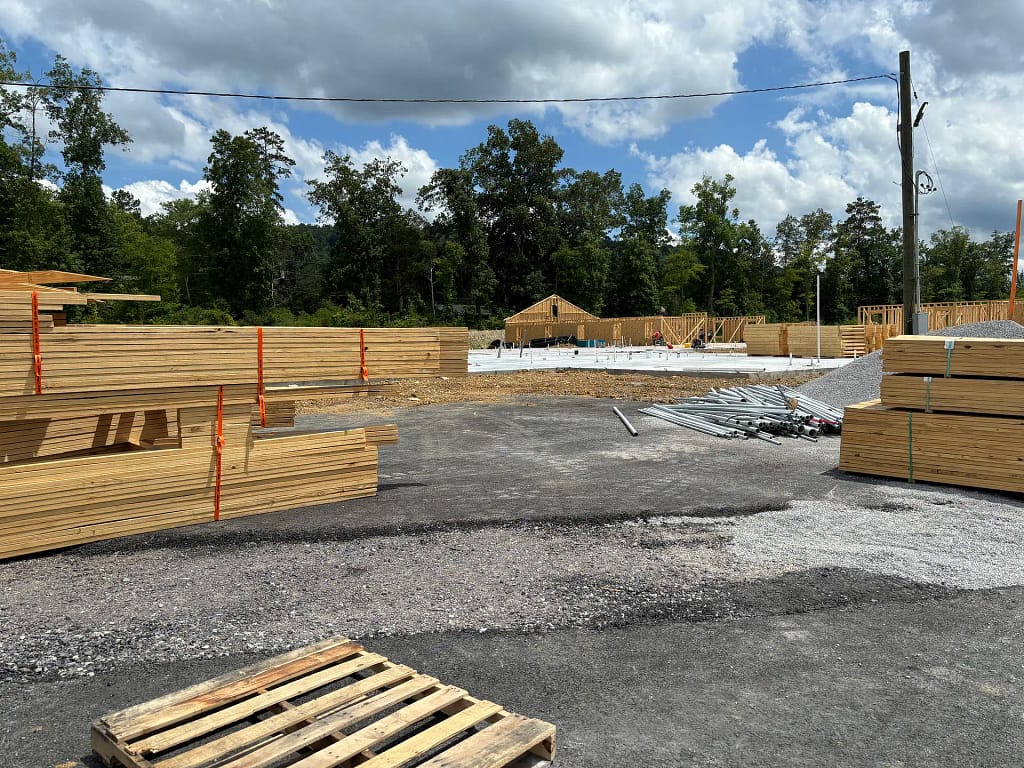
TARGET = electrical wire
x,y
379,100
935,165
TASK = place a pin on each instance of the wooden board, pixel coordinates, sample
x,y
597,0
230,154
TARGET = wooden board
x,y
330,704
972,451
83,358
938,356
836,340
1001,397
123,438
769,339
69,501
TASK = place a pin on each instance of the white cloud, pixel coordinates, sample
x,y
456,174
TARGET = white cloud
x,y
420,166
966,62
832,162
152,194
462,48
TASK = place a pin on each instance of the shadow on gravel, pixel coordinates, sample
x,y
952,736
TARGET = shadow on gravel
x,y
302,531
819,589
1003,497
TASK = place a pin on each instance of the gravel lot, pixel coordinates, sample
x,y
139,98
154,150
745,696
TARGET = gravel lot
x,y
525,547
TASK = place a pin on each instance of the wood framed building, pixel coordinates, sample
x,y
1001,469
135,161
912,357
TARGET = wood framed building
x,y
554,317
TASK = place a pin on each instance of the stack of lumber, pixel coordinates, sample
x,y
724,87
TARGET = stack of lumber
x,y
952,411
79,358
141,428
330,704
836,340
769,339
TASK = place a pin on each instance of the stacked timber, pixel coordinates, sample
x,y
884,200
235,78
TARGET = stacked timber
x,y
107,431
836,340
769,339
952,411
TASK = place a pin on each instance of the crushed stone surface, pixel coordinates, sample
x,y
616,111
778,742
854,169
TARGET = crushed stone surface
x,y
861,379
155,605
933,537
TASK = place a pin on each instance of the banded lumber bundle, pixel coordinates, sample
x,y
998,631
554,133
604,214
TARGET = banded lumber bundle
x,y
108,431
928,427
83,358
37,438
836,340
329,704
70,501
938,356
769,339
1003,397
973,451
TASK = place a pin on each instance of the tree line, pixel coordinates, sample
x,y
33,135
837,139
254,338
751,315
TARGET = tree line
x,y
506,227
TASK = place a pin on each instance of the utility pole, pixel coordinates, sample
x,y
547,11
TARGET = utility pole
x,y
906,130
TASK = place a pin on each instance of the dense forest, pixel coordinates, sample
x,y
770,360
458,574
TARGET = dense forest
x,y
508,226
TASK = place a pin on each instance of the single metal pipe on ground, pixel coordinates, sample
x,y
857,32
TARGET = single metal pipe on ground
x,y
625,421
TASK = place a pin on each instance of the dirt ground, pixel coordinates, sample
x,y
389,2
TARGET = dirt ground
x,y
496,388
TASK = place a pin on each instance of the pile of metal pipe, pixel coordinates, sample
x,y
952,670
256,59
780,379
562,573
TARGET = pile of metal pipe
x,y
757,411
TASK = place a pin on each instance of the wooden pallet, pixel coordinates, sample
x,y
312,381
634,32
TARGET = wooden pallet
x,y
330,704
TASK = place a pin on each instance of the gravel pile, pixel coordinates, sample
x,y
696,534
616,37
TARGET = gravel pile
x,y
862,379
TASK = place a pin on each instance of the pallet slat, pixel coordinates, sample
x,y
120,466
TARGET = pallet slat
x,y
362,705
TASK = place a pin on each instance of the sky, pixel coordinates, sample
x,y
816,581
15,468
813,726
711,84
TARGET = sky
x,y
790,151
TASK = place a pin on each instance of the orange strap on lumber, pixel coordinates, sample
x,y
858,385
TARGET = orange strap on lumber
x,y
218,447
364,372
259,377
37,355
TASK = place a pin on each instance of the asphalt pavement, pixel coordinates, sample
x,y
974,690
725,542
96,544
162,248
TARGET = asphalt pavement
x,y
830,665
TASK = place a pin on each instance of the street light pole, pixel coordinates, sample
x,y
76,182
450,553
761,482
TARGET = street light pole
x,y
817,299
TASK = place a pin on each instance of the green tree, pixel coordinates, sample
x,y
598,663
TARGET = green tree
x,y
708,229
33,231
242,216
362,205
866,266
588,206
995,257
763,284
642,246
181,222
74,105
517,178
459,266
803,244
956,268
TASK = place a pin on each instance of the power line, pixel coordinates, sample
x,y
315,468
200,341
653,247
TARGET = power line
x,y
935,165
377,100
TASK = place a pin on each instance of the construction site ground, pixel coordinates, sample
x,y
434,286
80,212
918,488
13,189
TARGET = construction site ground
x,y
672,599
